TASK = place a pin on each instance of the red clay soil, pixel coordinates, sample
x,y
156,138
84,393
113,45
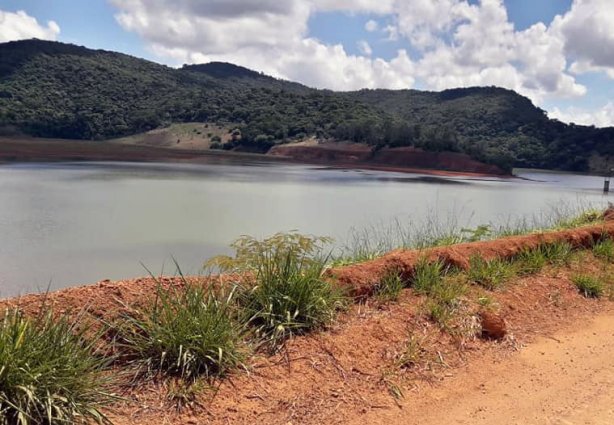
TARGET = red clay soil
x,y
391,158
352,372
361,279
358,280
354,369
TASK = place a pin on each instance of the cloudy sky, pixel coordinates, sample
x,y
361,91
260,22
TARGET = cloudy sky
x,y
559,53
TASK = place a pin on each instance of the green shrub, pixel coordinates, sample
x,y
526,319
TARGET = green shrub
x,y
390,286
604,249
588,286
427,275
283,291
489,274
189,332
50,371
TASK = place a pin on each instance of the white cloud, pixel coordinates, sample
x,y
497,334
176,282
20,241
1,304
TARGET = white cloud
x,y
355,6
364,48
455,43
371,25
21,26
601,117
265,36
588,31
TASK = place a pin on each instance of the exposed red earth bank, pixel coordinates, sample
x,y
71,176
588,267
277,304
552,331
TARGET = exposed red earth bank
x,y
345,374
341,155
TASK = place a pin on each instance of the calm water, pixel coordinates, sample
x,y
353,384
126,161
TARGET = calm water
x,y
75,223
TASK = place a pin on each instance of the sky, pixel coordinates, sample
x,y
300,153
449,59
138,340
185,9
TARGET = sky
x,y
559,53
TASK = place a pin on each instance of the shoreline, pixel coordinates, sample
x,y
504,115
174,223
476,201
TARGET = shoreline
x,y
31,150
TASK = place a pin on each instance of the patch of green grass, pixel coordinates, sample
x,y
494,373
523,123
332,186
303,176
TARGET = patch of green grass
x,y
530,261
490,274
187,332
390,286
50,372
284,293
604,249
589,286
557,253
444,299
427,275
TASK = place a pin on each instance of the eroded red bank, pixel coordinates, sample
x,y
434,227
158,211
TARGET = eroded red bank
x,y
106,298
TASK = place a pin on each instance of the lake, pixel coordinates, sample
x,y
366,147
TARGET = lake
x,y
64,224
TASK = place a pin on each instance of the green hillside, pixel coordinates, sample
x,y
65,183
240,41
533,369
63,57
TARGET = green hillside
x,y
50,89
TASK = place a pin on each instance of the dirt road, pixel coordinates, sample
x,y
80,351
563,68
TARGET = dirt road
x,y
562,380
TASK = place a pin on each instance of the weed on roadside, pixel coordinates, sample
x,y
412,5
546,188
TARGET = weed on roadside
x,y
604,249
427,275
589,286
390,286
50,371
188,332
490,274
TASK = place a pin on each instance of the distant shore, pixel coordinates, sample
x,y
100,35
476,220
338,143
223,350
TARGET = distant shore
x,y
27,149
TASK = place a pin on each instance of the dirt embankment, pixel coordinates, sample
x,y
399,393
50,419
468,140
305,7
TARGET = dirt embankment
x,y
361,279
396,158
350,373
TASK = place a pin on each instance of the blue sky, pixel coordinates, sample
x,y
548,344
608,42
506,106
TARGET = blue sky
x,y
531,46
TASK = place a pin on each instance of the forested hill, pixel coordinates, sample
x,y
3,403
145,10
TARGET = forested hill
x,y
52,89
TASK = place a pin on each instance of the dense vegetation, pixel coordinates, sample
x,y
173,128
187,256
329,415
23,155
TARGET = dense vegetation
x,y
51,89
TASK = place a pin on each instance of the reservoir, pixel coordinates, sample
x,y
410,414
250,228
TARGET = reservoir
x,y
63,224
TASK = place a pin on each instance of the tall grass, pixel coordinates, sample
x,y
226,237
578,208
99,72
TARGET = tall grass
x,y
50,371
188,332
281,289
437,230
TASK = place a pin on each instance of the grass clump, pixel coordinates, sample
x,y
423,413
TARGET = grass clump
x,y
187,332
50,372
390,286
557,253
427,275
530,261
604,249
283,291
490,274
444,300
588,286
